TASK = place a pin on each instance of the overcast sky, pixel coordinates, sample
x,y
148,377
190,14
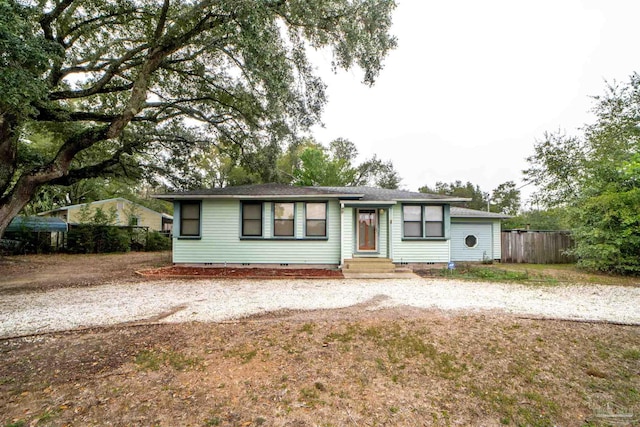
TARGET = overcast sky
x,y
473,84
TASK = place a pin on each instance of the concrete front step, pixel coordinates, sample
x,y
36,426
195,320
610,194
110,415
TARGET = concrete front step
x,y
368,265
388,275
375,268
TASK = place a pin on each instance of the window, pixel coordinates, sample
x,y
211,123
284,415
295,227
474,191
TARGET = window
x,y
471,241
412,221
423,221
316,219
252,219
433,221
283,219
190,218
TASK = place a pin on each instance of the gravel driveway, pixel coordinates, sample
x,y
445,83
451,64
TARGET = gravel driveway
x,y
217,300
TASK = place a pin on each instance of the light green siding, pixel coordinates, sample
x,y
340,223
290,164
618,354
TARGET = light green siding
x,y
418,250
348,233
221,243
382,233
496,246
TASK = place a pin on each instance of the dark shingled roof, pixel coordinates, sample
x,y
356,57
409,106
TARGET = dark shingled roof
x,y
283,190
384,194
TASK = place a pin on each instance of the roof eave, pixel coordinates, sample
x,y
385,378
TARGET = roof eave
x,y
439,200
256,196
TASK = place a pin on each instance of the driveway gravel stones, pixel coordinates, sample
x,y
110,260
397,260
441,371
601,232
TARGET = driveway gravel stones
x,y
220,300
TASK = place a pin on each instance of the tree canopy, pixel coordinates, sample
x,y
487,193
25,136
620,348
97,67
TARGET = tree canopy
x,y
505,198
135,86
594,176
335,166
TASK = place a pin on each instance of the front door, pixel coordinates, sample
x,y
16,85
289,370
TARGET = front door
x,y
367,230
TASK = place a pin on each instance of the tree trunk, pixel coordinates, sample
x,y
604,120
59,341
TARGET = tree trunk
x,y
8,149
9,208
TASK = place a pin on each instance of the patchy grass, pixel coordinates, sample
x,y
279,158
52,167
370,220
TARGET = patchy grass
x,y
155,358
484,273
390,367
536,274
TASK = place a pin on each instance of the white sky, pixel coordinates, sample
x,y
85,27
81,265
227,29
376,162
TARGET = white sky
x,y
473,84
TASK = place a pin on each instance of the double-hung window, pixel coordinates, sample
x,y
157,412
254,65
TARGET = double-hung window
x,y
190,219
283,219
423,221
412,216
316,219
252,219
433,221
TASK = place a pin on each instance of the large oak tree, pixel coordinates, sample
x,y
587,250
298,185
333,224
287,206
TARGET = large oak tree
x,y
121,85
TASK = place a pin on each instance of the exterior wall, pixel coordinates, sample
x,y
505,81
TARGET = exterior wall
x,y
348,240
383,236
124,209
220,241
494,249
418,251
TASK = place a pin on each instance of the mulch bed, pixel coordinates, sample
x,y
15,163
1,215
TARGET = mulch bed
x,y
242,273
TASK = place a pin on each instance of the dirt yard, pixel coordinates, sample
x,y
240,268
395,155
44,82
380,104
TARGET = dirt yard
x,y
346,367
44,272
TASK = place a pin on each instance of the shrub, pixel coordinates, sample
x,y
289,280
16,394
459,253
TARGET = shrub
x,y
88,238
157,242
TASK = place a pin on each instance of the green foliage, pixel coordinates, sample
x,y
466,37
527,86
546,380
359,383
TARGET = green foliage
x,y
458,189
157,242
154,359
25,56
607,232
139,89
315,165
595,178
505,198
486,274
544,220
95,238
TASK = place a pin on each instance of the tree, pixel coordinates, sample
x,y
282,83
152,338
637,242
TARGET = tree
x,y
505,198
538,219
317,165
594,177
115,81
458,189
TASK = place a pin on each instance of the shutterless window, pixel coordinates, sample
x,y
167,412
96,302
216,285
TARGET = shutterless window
x,y
434,221
190,219
252,219
412,216
316,219
283,222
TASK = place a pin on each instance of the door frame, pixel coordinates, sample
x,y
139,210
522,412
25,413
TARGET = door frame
x,y
376,242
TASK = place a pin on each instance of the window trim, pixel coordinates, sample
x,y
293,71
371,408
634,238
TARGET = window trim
x,y
242,220
274,219
423,223
198,235
325,220
420,221
441,222
467,245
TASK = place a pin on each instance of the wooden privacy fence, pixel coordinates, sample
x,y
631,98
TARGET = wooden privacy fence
x,y
536,247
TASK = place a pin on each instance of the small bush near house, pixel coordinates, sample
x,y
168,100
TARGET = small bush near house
x,y
88,238
157,242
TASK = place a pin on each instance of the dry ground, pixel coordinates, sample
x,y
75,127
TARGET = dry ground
x,y
349,367
43,272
